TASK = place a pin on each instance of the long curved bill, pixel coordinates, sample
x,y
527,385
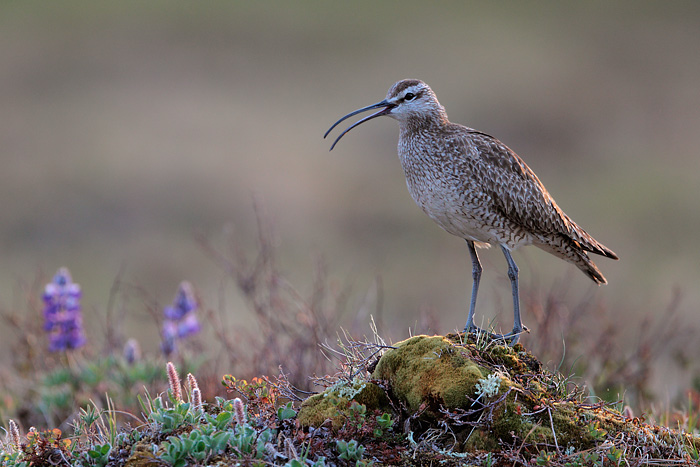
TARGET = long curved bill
x,y
384,105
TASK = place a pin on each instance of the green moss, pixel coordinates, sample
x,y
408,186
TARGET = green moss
x,y
508,422
536,388
373,397
480,440
333,404
142,456
430,370
316,409
514,359
569,428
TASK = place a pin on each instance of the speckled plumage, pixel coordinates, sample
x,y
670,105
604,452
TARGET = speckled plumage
x,y
476,188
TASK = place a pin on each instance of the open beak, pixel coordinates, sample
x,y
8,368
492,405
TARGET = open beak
x,y
384,105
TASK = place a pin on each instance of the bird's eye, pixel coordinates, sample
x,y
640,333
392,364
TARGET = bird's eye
x,y
409,96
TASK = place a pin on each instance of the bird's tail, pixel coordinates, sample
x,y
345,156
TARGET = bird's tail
x,y
574,252
588,243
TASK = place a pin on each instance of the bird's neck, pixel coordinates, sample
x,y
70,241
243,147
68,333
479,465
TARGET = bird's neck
x,y
421,124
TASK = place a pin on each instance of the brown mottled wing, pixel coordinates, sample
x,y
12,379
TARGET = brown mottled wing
x,y
518,194
513,187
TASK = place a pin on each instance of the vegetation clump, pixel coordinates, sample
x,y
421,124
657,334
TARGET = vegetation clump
x,y
335,404
429,373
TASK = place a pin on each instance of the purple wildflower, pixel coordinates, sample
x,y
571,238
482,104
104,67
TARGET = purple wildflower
x,y
62,318
180,318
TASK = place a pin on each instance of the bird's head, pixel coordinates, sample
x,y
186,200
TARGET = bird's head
x,y
409,100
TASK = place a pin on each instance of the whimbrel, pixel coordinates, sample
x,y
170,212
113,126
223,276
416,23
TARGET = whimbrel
x,y
475,187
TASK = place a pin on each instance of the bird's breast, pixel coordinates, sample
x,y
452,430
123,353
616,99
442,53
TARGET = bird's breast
x,y
442,185
441,192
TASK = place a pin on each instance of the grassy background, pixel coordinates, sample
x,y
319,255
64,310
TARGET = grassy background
x,y
127,127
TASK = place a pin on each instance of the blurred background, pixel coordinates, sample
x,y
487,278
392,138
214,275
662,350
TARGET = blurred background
x,y
128,129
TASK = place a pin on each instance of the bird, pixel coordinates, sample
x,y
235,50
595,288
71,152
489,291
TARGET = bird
x,y
476,188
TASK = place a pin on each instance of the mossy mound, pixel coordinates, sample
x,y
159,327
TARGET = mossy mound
x,y
459,401
492,395
500,393
430,373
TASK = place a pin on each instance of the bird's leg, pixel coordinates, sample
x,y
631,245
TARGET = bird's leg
x,y
513,276
476,276
513,336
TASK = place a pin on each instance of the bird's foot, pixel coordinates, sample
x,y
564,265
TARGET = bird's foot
x,y
510,338
514,336
473,329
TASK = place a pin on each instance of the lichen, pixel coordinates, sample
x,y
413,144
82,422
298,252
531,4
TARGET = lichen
x,y
489,386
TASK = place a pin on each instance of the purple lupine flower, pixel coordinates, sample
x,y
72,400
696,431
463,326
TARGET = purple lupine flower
x,y
180,318
188,325
62,318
